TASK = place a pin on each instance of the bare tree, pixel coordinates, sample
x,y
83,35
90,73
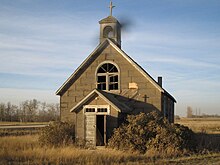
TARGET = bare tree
x,y
8,111
53,111
42,112
29,111
2,112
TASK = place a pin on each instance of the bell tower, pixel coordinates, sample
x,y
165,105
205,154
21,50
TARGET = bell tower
x,y
110,28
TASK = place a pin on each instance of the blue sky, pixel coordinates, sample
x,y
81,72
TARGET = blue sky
x,y
43,42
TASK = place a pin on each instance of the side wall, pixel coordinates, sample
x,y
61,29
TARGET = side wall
x,y
168,108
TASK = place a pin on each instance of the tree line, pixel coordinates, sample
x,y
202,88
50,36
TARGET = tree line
x,y
29,111
194,114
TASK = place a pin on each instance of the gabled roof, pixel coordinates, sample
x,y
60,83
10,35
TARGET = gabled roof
x,y
110,99
92,56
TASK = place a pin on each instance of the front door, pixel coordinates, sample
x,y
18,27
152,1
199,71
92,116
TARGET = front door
x,y
90,124
95,124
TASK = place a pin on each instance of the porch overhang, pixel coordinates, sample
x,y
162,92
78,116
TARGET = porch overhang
x,y
117,105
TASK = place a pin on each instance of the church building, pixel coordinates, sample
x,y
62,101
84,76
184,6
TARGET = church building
x,y
108,86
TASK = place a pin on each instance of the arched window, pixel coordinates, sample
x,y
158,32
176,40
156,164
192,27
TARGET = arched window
x,y
108,32
107,77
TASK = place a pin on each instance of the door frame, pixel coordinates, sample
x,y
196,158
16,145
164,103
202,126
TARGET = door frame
x,y
97,110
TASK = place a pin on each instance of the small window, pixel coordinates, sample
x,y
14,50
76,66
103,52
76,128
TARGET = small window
x,y
108,77
102,110
90,109
97,109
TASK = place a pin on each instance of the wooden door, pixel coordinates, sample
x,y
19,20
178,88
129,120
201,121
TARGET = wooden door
x,y
90,129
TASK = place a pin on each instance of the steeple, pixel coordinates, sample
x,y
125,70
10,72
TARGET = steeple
x,y
110,28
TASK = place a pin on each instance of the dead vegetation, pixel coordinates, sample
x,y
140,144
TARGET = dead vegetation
x,y
151,133
57,134
26,150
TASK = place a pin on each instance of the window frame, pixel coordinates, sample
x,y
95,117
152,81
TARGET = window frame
x,y
96,107
108,76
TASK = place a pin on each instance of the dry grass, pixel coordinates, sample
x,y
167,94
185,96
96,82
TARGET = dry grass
x,y
207,129
26,150
201,125
19,131
6,123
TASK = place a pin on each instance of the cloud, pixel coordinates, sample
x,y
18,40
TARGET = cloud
x,y
16,96
42,43
38,46
175,60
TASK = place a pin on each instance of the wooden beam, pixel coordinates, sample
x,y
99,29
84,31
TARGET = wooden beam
x,y
105,130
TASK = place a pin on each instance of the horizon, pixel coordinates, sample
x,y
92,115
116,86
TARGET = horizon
x,y
43,42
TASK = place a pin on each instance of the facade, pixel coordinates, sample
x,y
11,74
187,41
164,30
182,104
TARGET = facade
x,y
107,86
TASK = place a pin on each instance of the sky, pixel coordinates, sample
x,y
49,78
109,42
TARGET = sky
x,y
42,42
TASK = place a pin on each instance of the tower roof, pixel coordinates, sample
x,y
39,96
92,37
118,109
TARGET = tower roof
x,y
109,19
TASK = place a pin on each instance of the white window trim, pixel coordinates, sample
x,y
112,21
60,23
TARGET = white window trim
x,y
107,82
96,109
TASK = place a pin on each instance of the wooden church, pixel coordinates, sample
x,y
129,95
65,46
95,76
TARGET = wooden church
x,y
108,86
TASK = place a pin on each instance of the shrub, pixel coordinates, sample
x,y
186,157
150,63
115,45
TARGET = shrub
x,y
151,132
57,134
172,140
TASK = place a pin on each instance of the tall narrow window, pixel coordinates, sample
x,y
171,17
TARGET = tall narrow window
x,y
107,77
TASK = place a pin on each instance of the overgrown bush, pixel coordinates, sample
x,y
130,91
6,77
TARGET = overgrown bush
x,y
208,142
151,132
57,134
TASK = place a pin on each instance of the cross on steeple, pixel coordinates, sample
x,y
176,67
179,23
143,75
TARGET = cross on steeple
x,y
111,7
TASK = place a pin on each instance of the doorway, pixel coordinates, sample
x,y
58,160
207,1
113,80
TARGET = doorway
x,y
95,124
100,130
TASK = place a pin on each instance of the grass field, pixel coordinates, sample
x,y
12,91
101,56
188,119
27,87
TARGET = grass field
x,y
26,150
204,125
5,123
20,131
